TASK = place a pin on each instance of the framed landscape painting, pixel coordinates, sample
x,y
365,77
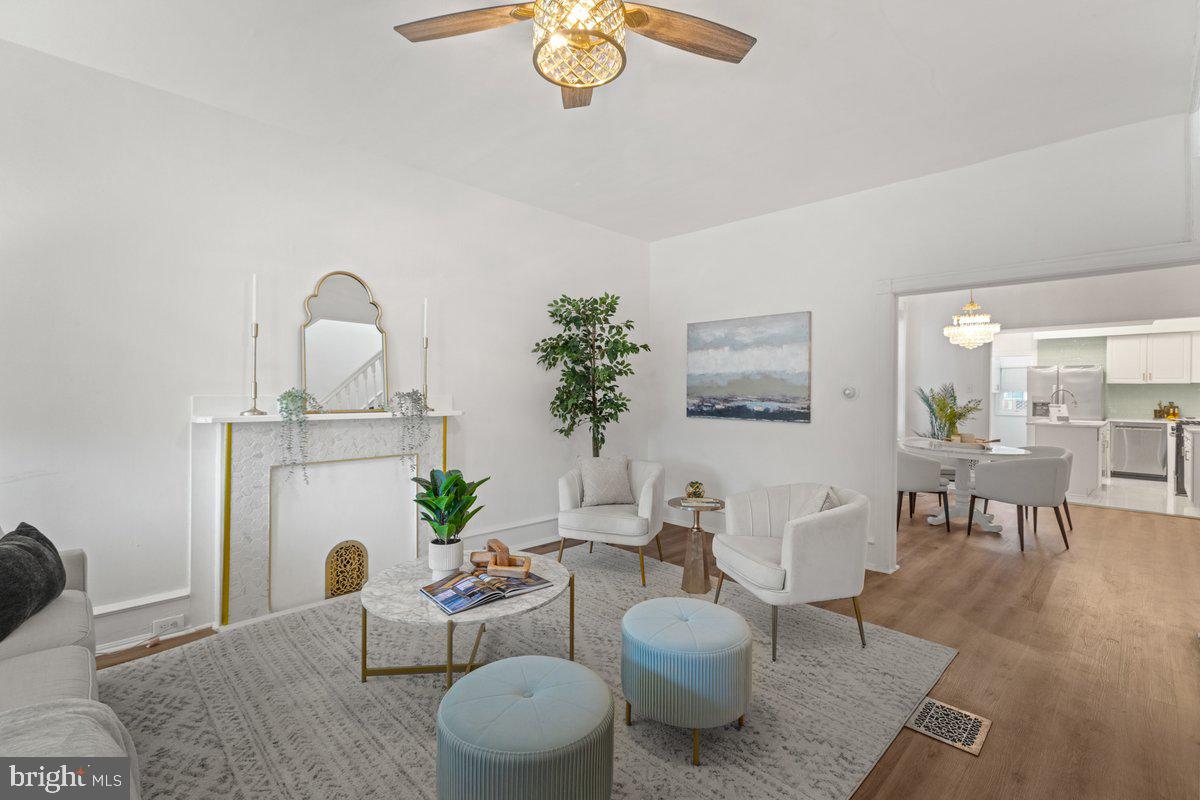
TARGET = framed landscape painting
x,y
751,368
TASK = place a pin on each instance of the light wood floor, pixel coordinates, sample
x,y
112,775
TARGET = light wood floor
x,y
1087,661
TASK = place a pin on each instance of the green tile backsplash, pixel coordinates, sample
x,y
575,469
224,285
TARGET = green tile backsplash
x,y
1121,400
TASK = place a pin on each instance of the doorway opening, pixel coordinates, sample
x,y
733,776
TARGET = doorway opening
x,y
1106,366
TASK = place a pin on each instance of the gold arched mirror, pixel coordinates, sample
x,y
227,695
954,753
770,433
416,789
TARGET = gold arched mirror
x,y
343,346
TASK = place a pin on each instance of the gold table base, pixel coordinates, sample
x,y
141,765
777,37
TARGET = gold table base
x,y
695,560
449,666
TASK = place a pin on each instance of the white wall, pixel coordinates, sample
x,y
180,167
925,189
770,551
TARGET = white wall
x,y
130,223
1124,188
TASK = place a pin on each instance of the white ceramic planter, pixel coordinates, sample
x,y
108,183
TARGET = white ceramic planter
x,y
445,559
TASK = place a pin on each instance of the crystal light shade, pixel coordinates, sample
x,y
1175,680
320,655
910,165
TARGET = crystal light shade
x,y
973,327
579,43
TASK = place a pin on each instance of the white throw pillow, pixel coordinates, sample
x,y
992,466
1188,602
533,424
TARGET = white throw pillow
x,y
822,499
605,481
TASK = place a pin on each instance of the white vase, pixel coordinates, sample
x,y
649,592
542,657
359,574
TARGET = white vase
x,y
445,559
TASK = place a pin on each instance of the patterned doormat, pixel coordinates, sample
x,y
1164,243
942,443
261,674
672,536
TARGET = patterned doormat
x,y
951,725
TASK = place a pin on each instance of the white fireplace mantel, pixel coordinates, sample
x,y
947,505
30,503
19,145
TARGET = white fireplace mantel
x,y
246,450
373,416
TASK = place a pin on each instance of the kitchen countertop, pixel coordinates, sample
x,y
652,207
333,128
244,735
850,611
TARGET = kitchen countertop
x,y
1075,423
1153,421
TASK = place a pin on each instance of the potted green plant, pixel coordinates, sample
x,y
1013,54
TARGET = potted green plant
x,y
945,412
447,502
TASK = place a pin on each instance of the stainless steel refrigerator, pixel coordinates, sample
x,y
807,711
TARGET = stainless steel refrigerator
x,y
1080,389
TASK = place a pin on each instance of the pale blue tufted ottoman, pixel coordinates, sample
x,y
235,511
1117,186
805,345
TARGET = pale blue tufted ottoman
x,y
685,662
526,728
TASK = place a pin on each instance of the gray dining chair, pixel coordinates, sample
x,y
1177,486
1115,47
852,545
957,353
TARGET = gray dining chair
x,y
919,475
1035,482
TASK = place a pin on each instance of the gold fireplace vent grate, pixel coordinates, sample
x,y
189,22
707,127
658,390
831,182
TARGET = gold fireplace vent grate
x,y
345,568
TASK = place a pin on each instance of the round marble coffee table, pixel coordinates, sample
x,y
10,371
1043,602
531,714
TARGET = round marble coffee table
x,y
395,595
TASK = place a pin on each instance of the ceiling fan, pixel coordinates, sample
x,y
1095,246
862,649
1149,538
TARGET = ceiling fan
x,y
580,44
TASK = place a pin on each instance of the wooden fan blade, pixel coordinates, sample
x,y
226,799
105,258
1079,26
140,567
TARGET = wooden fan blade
x,y
479,19
576,98
689,33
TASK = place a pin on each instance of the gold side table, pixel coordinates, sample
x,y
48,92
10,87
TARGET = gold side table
x,y
695,559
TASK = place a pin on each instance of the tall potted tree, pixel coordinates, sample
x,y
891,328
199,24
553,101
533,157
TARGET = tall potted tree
x,y
593,353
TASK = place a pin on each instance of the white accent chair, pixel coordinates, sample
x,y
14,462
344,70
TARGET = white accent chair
x,y
1037,482
629,525
785,551
919,475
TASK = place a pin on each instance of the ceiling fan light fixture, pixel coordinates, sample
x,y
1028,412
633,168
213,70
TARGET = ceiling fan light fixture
x,y
579,43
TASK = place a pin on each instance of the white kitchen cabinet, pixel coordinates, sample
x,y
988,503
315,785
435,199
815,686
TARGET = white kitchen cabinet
x,y
1169,357
1196,357
1126,359
1150,358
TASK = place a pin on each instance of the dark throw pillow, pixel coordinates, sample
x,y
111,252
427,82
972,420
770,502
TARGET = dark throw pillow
x,y
31,575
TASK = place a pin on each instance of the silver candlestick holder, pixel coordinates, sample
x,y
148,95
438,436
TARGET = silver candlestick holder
x,y
254,410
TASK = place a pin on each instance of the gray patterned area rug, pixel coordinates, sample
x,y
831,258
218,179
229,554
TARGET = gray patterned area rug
x,y
275,708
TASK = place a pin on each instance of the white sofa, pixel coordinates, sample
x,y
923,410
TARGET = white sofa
x,y
780,547
632,525
49,703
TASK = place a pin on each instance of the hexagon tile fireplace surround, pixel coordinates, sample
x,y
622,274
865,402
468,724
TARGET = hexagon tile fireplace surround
x,y
249,453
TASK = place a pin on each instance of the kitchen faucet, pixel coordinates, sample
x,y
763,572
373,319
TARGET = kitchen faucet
x,y
1061,390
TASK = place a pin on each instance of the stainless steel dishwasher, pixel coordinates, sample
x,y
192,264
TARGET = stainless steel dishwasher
x,y
1139,450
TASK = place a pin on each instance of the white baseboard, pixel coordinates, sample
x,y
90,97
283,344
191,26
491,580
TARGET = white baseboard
x,y
118,624
517,535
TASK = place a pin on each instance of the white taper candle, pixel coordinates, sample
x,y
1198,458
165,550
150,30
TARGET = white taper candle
x,y
425,320
254,298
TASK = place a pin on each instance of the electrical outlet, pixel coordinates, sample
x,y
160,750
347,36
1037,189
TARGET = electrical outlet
x,y
168,625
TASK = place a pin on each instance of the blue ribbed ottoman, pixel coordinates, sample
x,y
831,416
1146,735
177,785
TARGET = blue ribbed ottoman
x,y
685,662
526,728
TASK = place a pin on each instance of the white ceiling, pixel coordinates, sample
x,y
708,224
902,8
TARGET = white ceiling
x,y
837,96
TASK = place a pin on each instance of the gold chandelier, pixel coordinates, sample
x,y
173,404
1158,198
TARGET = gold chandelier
x,y
972,328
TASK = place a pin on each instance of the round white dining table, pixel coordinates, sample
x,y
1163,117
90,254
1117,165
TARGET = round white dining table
x,y
963,458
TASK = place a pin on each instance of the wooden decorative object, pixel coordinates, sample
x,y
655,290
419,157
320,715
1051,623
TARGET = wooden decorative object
x,y
518,567
497,561
345,568
501,550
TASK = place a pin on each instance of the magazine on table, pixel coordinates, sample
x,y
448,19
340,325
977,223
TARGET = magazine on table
x,y
700,502
461,592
